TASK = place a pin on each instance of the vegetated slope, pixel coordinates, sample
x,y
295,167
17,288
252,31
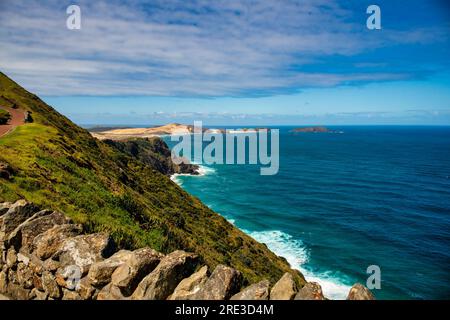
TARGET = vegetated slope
x,y
58,165
154,152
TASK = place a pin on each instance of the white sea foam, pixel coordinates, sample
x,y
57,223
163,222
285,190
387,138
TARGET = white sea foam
x,y
286,246
297,255
202,171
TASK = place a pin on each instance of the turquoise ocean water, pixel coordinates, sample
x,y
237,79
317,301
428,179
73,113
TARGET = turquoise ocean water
x,y
373,195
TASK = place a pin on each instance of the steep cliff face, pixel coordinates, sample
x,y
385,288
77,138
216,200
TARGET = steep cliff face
x,y
154,152
57,165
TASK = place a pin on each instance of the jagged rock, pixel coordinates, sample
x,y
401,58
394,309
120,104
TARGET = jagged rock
x,y
37,282
51,265
221,285
12,276
85,290
284,289
50,285
47,244
20,211
84,250
189,286
310,291
36,265
127,276
257,291
360,292
24,234
70,295
18,292
24,276
4,207
111,292
161,282
11,257
38,295
3,282
100,272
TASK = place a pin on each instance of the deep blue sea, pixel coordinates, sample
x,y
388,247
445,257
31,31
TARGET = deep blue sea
x,y
372,195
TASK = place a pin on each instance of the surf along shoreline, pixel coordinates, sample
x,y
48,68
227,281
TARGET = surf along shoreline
x,y
279,242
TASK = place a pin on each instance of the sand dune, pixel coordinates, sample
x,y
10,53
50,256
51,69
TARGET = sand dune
x,y
126,133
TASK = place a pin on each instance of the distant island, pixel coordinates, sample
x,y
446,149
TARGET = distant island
x,y
317,129
310,129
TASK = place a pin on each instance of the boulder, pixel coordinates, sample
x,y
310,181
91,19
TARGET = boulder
x,y
100,273
24,276
161,282
284,289
3,282
128,275
18,292
18,212
85,290
47,243
24,234
221,285
189,286
50,285
310,291
257,291
111,292
84,250
11,257
38,295
70,295
51,265
360,292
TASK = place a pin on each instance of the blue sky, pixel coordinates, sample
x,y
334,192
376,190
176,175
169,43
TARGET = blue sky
x,y
233,62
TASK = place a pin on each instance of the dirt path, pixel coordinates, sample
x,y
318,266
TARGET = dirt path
x,y
17,119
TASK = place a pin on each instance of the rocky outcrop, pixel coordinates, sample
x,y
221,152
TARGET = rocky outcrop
x,y
162,281
45,256
360,292
221,285
128,275
310,291
257,291
189,286
284,289
155,153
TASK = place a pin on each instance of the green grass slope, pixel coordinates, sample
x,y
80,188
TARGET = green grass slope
x,y
61,166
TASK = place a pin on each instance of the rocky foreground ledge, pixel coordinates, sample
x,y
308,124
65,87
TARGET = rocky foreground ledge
x,y
44,256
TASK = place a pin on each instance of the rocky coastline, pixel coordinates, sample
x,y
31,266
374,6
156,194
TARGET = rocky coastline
x,y
45,256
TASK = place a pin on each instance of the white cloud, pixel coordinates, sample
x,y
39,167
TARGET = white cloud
x,y
178,47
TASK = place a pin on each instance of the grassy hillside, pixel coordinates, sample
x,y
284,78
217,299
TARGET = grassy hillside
x,y
59,165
